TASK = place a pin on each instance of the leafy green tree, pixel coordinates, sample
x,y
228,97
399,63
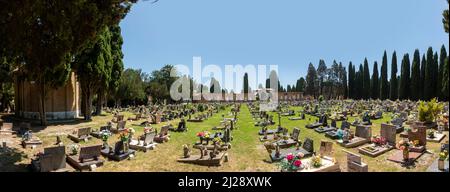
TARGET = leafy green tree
x,y
46,34
359,83
384,83
415,88
131,88
301,83
405,78
393,94
375,86
94,68
6,84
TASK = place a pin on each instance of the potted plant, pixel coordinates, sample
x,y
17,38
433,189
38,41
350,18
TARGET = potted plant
x,y
442,156
291,163
428,113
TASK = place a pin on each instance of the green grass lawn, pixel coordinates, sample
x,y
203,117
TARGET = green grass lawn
x,y
247,152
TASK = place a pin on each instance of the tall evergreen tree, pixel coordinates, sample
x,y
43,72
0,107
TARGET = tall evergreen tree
x,y
405,78
375,86
445,82
435,76
422,77
384,84
311,79
428,80
321,75
393,93
442,58
351,79
415,90
301,85
366,80
359,81
245,87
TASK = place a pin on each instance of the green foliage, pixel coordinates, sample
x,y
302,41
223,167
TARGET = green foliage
x,y
131,88
428,111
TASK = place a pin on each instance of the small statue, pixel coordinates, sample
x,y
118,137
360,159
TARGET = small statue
x,y
186,151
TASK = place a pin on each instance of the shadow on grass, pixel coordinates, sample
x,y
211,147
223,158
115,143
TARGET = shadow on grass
x,y
11,160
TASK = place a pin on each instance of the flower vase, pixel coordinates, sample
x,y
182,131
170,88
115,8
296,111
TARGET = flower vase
x,y
201,140
441,164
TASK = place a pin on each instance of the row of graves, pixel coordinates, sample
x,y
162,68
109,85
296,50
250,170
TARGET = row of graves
x,y
213,145
287,150
54,158
408,149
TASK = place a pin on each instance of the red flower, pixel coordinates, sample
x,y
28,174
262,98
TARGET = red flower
x,y
290,157
297,163
200,134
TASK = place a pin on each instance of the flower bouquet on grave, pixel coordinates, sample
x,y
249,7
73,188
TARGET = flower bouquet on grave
x,y
217,140
404,146
379,141
204,135
291,163
442,156
125,137
105,136
316,161
74,148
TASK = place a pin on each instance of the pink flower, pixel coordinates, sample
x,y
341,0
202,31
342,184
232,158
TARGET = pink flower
x,y
289,157
297,163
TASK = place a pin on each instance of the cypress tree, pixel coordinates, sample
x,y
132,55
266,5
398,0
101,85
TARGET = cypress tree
x,y
384,84
442,58
445,76
366,80
351,76
393,93
405,78
415,90
435,76
375,86
422,77
428,86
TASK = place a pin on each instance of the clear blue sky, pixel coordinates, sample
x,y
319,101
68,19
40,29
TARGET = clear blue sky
x,y
289,33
